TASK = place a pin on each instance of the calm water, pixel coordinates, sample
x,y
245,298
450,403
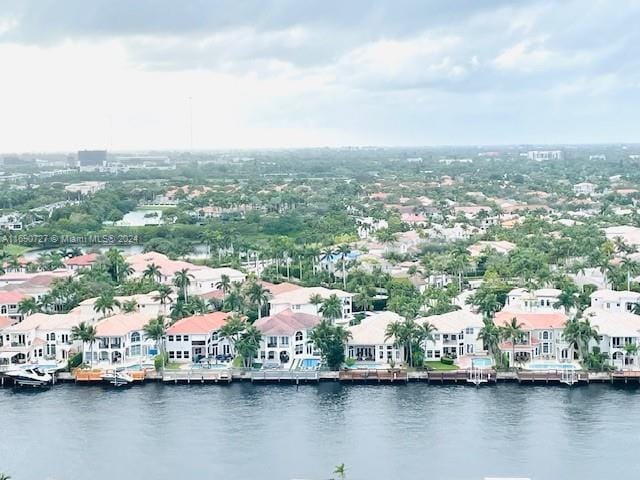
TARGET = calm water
x,y
245,432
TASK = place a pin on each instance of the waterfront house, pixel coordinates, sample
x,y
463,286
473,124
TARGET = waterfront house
x,y
145,303
456,334
368,340
617,330
542,336
193,338
614,301
285,337
298,301
41,337
120,338
81,261
9,301
538,301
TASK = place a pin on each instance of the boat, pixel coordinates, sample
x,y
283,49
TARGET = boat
x,y
117,378
31,376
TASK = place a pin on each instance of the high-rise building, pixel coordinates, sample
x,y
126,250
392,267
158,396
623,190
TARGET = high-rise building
x,y
92,158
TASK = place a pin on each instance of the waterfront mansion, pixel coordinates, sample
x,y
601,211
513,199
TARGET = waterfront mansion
x,y
456,334
299,301
194,338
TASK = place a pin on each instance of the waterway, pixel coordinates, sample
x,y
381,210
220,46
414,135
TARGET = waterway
x,y
247,432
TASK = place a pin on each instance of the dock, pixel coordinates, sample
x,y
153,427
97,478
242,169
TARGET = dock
x,y
284,376
566,377
370,375
626,376
197,376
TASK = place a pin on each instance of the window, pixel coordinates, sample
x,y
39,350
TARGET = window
x,y
437,354
469,330
284,341
381,356
271,355
52,337
545,335
172,354
3,309
545,348
135,350
429,353
298,336
299,349
135,337
272,342
178,338
185,354
178,354
170,338
436,336
185,338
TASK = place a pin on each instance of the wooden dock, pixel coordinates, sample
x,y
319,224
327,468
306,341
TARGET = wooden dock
x,y
370,375
567,377
284,376
95,375
470,376
197,376
626,376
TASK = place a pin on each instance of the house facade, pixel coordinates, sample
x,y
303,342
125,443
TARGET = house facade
x,y
369,342
194,338
456,334
615,301
298,301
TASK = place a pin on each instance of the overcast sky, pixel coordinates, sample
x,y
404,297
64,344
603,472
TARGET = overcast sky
x,y
119,73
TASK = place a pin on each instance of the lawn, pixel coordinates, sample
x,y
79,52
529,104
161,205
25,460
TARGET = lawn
x,y
437,365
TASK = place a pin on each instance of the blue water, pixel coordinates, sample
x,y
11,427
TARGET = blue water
x,y
245,431
481,362
365,365
309,363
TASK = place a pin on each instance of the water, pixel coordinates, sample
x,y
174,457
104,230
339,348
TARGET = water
x,y
551,366
481,362
246,432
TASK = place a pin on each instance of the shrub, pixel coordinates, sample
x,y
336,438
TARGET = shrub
x,y
446,360
75,361
157,361
350,362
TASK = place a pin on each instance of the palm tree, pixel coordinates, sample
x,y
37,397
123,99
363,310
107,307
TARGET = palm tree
x,y
156,330
232,329
116,265
182,280
224,284
512,331
164,294
331,308
316,299
130,305
363,299
105,303
429,329
248,344
344,251
490,335
4,476
636,308
567,299
258,295
631,350
28,306
152,272
86,334
341,471
579,332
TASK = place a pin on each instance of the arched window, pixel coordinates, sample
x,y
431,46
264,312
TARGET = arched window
x,y
4,309
135,337
545,335
298,336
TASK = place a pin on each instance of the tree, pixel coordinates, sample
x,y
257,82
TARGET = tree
x,y
156,330
116,265
567,299
163,295
490,335
344,250
231,330
578,332
331,308
105,303
182,281
86,334
341,471
28,306
316,299
4,476
258,295
224,284
129,306
363,298
152,272
631,350
248,345
331,340
512,331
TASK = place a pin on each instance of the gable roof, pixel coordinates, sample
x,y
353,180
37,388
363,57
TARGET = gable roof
x,y
373,329
82,260
532,321
301,296
121,324
286,323
195,324
11,297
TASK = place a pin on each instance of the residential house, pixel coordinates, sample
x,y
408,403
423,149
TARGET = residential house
x,y
81,261
615,301
456,334
193,338
616,329
542,337
285,337
369,340
121,339
538,301
499,246
9,303
298,301
584,188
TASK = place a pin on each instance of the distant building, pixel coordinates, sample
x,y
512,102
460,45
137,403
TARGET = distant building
x,y
85,188
92,159
584,188
543,155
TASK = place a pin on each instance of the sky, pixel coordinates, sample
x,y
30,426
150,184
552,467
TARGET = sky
x,y
207,74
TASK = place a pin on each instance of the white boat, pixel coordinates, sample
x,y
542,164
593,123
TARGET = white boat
x,y
31,376
117,377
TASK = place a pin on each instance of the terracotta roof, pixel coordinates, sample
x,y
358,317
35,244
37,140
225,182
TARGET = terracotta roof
x,y
207,323
286,323
5,322
279,288
533,321
11,297
217,294
82,260
123,323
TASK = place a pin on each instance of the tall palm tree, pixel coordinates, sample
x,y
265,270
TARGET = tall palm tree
x,y
490,335
224,284
182,280
105,303
578,332
316,299
512,331
331,308
156,330
258,295
86,334
231,330
152,272
341,471
163,296
344,250
631,350
248,344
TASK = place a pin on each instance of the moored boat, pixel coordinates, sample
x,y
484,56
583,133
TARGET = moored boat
x,y
117,378
31,376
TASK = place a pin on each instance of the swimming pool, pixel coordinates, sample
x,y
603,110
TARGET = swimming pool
x,y
365,366
550,366
483,362
200,366
309,363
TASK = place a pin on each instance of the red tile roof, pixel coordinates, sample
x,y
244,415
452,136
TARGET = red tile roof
x,y
5,322
11,297
206,323
278,288
286,323
533,321
82,260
